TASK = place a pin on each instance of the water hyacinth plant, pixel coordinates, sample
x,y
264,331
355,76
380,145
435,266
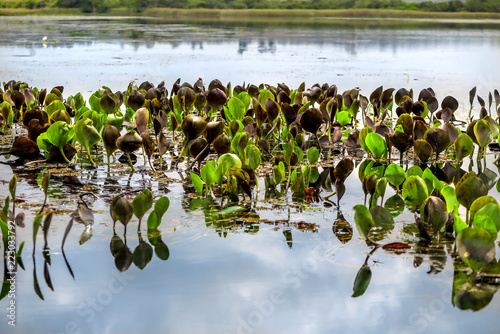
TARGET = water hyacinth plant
x,y
303,143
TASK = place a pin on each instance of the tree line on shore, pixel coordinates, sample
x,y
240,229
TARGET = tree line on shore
x,y
103,6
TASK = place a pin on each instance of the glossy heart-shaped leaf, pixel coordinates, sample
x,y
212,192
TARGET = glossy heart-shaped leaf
x,y
377,145
415,191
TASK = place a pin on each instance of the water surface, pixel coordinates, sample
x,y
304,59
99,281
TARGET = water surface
x,y
233,276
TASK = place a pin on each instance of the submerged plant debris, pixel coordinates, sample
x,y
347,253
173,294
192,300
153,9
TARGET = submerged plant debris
x,y
226,145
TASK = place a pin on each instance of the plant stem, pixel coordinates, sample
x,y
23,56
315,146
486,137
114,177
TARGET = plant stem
x,y
63,155
90,156
130,162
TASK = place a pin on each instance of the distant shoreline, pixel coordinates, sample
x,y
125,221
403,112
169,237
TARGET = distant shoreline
x,y
255,14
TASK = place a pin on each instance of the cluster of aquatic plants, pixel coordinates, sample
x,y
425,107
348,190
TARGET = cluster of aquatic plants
x,y
226,138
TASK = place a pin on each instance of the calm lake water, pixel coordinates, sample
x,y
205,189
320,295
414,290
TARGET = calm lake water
x,y
232,276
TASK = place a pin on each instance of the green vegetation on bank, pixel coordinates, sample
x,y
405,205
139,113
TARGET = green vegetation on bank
x,y
105,6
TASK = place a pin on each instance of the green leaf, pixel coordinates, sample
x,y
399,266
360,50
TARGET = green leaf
x,y
487,223
232,209
279,173
480,203
381,186
469,188
265,94
395,174
353,110
36,225
208,174
448,193
364,220
415,191
492,211
433,212
381,217
44,143
431,180
464,146
458,223
245,98
297,185
298,151
152,221
161,206
313,155
20,250
59,133
13,187
5,209
55,106
76,101
343,117
395,205
414,170
362,281
483,133
227,161
236,108
377,145
87,134
122,210
142,203
362,137
5,232
98,120
161,250
476,247
197,183
252,157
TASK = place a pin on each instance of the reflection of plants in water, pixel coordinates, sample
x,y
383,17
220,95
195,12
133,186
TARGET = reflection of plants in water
x,y
228,138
